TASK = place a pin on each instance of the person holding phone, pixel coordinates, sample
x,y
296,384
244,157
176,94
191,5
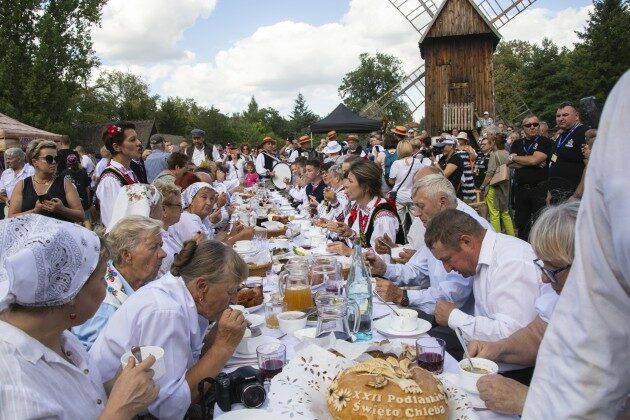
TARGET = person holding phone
x,y
44,192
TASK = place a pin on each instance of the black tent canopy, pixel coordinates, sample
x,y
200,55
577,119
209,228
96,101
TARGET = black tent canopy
x,y
343,120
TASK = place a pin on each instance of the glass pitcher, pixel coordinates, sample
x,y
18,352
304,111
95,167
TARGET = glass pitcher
x,y
296,290
332,316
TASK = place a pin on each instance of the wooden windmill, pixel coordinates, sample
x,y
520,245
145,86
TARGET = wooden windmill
x,y
458,39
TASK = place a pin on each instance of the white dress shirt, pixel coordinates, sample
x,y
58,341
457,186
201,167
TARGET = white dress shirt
x,y
546,302
36,383
505,288
260,165
107,191
583,368
9,178
452,287
188,226
198,156
162,314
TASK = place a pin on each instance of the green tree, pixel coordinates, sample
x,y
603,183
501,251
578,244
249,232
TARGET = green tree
x,y
301,117
509,79
47,46
603,53
547,80
125,96
177,116
373,78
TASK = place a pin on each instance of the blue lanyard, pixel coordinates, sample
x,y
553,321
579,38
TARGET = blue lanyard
x,y
529,149
564,138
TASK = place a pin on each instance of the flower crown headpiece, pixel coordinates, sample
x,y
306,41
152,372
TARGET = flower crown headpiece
x,y
113,130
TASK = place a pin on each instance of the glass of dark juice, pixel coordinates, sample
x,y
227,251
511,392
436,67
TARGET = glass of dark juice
x,y
271,359
430,353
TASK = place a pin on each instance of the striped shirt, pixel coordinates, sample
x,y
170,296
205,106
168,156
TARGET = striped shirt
x,y
468,182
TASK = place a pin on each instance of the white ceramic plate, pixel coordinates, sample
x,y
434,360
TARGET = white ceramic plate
x,y
244,247
474,399
254,319
383,326
263,339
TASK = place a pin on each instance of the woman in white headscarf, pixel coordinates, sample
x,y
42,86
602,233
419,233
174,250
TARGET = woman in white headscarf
x,y
136,199
51,280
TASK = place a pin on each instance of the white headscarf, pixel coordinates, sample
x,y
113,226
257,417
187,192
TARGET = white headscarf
x,y
134,199
44,261
191,191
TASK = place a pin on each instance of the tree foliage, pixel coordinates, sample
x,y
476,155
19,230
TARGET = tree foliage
x,y
301,117
374,77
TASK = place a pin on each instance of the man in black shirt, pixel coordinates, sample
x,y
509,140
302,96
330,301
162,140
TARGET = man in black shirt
x,y
315,187
481,163
452,165
567,163
529,157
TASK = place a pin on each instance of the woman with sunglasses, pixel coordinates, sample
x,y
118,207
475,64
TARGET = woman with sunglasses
x,y
246,153
45,192
552,238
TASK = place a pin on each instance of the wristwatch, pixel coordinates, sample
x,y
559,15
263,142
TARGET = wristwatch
x,y
405,299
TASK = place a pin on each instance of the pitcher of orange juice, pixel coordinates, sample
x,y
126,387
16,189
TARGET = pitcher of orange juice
x,y
296,289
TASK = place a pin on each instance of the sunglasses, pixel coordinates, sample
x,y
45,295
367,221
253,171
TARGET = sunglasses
x,y
531,125
50,159
551,274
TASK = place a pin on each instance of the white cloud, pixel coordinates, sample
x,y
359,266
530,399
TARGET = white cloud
x,y
141,31
534,24
277,61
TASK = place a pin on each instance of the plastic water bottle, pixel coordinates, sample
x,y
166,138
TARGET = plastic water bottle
x,y
359,289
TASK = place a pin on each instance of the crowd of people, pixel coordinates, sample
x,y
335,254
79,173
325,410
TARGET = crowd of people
x,y
489,222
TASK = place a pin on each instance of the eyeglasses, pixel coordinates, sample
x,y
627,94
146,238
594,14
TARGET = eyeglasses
x,y
50,159
531,125
551,274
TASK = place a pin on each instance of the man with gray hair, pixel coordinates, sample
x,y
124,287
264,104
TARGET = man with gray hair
x,y
431,195
157,160
17,170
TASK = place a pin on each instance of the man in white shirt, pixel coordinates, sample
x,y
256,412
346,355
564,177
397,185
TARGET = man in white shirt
x,y
17,170
201,151
506,281
266,159
432,194
582,369
86,161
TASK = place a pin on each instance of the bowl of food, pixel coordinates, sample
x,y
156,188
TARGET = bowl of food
x,y
468,375
291,321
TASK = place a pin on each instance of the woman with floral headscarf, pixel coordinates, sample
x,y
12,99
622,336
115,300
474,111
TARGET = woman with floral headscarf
x,y
51,280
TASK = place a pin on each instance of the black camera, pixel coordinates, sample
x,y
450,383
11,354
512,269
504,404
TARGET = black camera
x,y
244,385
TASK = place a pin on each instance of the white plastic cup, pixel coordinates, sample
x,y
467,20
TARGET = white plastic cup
x,y
159,369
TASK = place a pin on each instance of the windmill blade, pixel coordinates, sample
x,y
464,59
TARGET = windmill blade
x,y
418,12
410,90
500,12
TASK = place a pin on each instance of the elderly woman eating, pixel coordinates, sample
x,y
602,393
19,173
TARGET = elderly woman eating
x,y
51,279
552,238
371,216
137,254
174,313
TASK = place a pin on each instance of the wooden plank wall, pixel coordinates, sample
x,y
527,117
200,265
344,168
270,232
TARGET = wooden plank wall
x,y
458,70
458,17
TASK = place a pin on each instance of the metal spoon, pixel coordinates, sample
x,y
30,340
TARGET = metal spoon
x,y
307,313
460,337
388,305
137,353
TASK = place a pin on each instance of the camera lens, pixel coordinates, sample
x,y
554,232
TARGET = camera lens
x,y
253,395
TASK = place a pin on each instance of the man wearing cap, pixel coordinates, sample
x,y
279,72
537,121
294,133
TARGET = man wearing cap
x,y
266,159
353,146
301,148
332,151
157,160
486,121
200,150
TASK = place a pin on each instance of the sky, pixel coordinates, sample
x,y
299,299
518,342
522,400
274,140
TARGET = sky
x,y
223,52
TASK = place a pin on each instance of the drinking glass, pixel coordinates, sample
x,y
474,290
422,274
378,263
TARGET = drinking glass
x,y
271,359
272,308
430,353
328,275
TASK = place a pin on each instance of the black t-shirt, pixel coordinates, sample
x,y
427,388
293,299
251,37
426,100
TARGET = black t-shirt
x,y
81,181
456,177
526,147
566,172
481,167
